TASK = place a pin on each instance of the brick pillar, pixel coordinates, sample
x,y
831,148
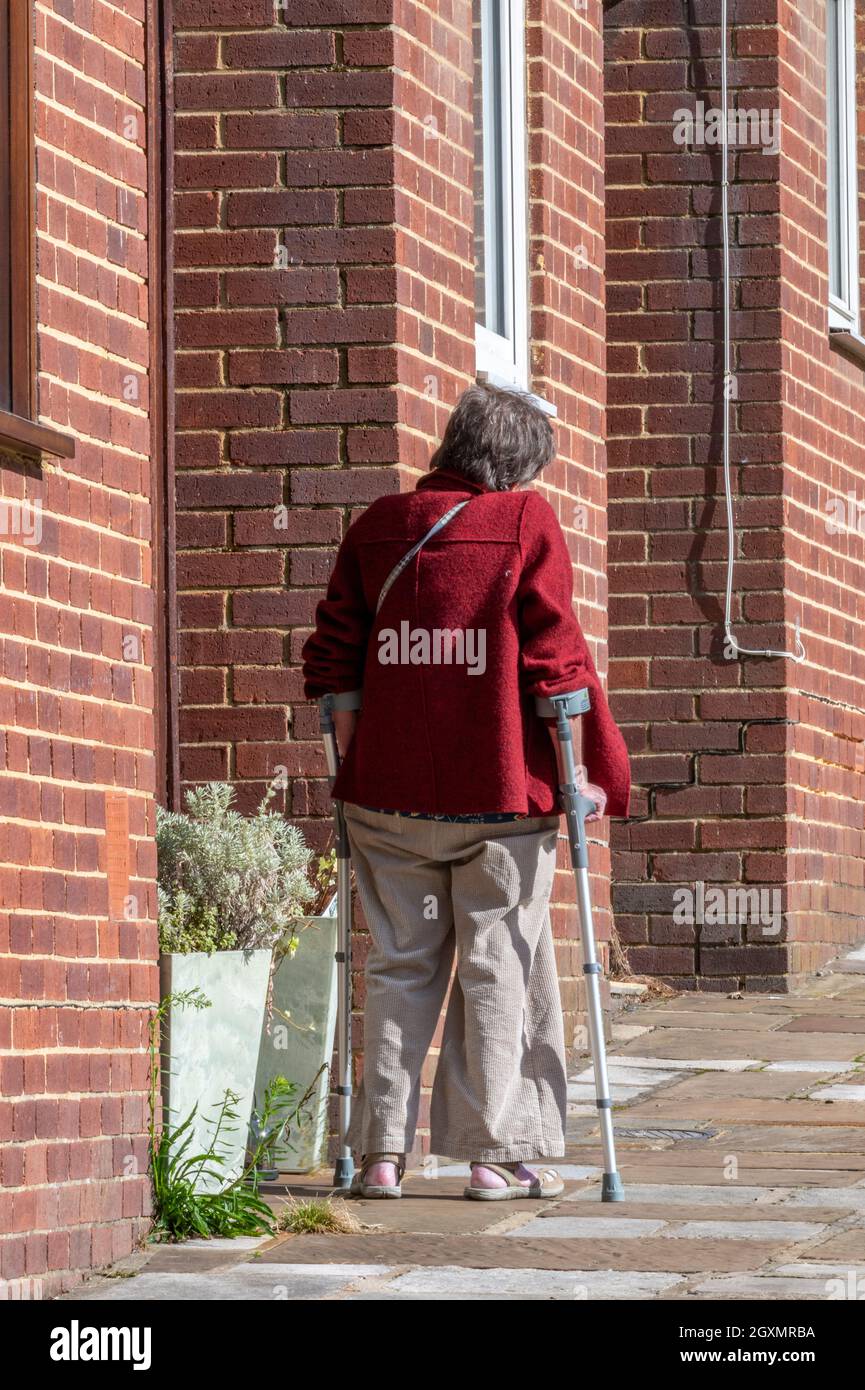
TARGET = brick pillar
x,y
707,733
325,328
568,359
77,897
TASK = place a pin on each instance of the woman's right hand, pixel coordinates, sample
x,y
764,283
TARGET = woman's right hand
x,y
345,722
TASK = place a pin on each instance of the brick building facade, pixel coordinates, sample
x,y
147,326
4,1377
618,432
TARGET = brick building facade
x,y
256,297
77,930
751,768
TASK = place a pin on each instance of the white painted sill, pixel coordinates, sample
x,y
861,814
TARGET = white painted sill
x,y
848,341
494,379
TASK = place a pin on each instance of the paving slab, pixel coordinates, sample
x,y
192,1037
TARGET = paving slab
x,y
766,1207
825,1023
194,1257
850,1000
433,1215
848,1166
707,1045
737,1084
626,1075
842,1198
584,1092
490,1251
799,1064
740,1110
479,1295
817,1008
852,1276
508,1283
790,1232
847,1246
624,1032
849,1091
758,1286
705,1162
552,1226
731,1022
695,1061
779,1004
625,1228
773,1177
660,1194
243,1282
811,1138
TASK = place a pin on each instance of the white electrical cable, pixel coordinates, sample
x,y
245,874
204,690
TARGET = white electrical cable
x,y
799,654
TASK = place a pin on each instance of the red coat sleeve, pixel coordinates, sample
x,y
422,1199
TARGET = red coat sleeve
x,y
554,656
335,653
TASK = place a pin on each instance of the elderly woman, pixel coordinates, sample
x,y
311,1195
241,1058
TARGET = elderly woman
x,y
450,783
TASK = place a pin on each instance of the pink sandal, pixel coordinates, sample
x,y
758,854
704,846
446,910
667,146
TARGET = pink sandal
x,y
546,1184
361,1188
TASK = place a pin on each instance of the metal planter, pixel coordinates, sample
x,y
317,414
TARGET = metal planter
x,y
297,1041
208,1051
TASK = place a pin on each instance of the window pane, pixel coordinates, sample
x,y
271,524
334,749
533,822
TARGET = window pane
x,y
491,151
835,154
5,200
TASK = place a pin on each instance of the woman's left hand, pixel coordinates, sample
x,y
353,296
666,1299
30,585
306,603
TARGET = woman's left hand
x,y
596,794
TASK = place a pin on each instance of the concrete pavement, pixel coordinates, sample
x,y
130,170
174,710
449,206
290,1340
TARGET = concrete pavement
x,y
741,1136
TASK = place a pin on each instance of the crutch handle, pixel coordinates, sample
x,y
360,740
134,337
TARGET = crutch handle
x,y
584,805
328,704
570,703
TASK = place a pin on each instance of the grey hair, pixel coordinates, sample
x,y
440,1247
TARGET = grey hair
x,y
496,436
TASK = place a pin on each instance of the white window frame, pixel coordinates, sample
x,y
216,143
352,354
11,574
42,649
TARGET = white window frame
x,y
844,308
504,360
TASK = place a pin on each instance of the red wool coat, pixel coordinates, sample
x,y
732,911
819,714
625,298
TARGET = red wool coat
x,y
478,624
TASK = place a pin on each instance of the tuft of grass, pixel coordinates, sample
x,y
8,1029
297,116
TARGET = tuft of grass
x,y
317,1216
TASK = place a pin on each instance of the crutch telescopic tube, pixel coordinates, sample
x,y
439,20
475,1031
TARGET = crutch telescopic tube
x,y
576,807
351,700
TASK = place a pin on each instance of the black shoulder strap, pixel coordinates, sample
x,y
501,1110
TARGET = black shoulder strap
x,y
409,556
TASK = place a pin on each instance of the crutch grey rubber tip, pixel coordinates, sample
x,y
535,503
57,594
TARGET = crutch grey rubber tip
x,y
343,1172
612,1189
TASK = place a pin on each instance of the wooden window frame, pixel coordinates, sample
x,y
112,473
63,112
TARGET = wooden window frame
x,y
20,432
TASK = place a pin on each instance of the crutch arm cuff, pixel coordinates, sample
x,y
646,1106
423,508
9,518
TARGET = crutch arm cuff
x,y
346,699
574,701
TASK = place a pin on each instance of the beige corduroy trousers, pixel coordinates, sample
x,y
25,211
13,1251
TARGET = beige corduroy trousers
x,y
432,890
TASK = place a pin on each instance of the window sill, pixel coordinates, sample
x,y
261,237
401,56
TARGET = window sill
x,y
848,342
20,436
494,379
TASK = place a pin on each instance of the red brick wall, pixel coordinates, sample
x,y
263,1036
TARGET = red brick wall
x,y
707,750
76,685
313,387
823,419
745,781
285,408
568,351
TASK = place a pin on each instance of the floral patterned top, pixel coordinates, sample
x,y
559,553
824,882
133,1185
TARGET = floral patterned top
x,y
475,819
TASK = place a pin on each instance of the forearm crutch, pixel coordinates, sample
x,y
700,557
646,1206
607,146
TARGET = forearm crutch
x,y
576,807
351,700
